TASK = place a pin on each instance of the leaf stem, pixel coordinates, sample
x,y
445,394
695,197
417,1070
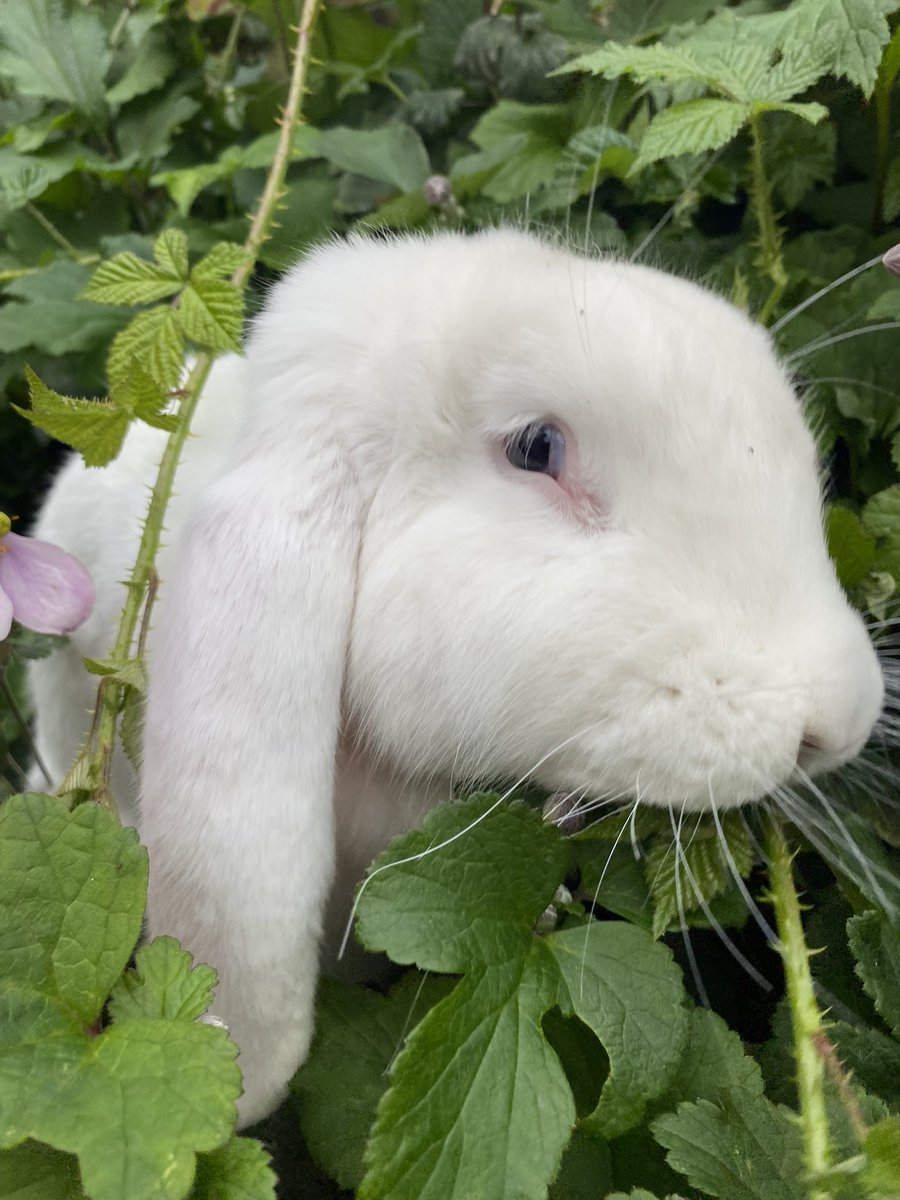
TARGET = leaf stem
x,y
806,1018
770,233
95,763
61,241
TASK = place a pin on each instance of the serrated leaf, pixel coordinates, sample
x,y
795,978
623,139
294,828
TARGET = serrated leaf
x,y
393,154
127,279
24,177
95,428
57,52
873,1058
680,878
690,128
744,1148
72,890
220,262
131,725
164,984
443,909
239,1170
876,947
671,64
856,30
881,515
492,1121
627,989
151,66
713,1061
153,339
171,252
210,313
464,895
130,671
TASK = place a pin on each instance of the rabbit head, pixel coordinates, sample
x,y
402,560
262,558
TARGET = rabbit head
x,y
501,511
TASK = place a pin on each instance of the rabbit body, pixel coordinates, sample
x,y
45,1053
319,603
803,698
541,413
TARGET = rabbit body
x,y
365,597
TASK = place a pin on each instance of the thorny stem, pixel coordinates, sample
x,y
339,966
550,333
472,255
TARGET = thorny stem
x,y
806,1019
94,764
770,235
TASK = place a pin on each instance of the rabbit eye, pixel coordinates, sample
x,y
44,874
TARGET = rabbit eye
x,y
538,447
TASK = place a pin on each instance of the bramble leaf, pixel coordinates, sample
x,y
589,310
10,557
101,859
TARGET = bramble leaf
x,y
96,428
210,312
691,128
171,252
127,279
882,1148
876,947
742,1148
221,261
153,339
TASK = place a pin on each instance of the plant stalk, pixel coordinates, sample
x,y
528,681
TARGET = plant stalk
x,y
806,1019
770,234
95,762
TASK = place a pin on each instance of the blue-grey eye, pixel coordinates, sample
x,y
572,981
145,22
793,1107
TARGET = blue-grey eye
x,y
538,447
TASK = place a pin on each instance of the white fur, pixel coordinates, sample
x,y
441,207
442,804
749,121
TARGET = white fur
x,y
350,538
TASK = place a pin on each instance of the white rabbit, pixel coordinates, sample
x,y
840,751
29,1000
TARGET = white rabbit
x,y
472,507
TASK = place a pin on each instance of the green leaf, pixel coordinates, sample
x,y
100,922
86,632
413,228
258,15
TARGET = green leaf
x,y
626,988
130,671
210,313
48,313
55,51
882,1149
134,1101
700,871
239,1170
127,279
444,904
691,128
743,1148
713,1062
358,1035
31,1171
464,895
798,156
876,947
153,339
95,428
856,31
222,261
492,1120
171,252
72,890
24,177
851,547
163,985
872,1056
393,154
149,69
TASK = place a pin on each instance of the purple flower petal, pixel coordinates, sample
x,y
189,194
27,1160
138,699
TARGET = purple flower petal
x,y
6,614
50,590
891,259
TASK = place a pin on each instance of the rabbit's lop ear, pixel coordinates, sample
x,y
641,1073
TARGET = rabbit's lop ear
x,y
240,738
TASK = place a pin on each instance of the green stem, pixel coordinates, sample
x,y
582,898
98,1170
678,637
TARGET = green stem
x,y
770,234
805,1016
93,766
234,30
61,241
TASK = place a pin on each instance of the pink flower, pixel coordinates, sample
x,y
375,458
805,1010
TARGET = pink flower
x,y
41,586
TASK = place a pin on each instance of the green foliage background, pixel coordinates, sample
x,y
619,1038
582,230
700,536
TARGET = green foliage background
x,y
751,145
